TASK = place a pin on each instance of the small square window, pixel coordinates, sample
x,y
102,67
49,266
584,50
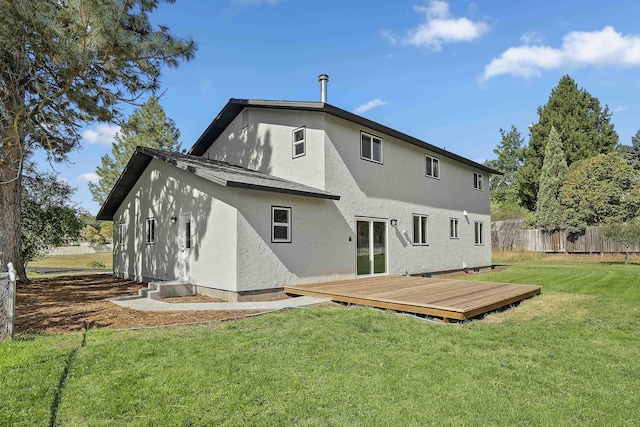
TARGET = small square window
x,y
479,232
477,181
453,228
299,146
151,231
280,224
420,229
432,165
370,148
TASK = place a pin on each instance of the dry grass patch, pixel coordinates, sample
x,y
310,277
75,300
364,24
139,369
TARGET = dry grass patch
x,y
547,304
501,256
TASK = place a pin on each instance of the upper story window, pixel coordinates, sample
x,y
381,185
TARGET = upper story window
x,y
477,181
479,232
432,167
453,228
122,233
245,119
280,224
420,229
299,142
370,148
151,231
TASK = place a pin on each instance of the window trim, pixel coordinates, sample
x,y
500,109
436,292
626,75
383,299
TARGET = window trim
x,y
457,228
288,225
150,231
426,235
122,233
478,241
302,142
381,161
245,118
478,179
432,158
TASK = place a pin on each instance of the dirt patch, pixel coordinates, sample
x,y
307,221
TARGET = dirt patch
x,y
65,303
191,299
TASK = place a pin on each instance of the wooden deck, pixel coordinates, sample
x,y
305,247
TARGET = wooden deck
x,y
446,298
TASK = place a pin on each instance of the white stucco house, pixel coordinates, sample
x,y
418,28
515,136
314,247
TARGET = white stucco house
x,y
276,193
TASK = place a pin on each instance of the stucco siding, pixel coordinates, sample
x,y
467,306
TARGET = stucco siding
x,y
397,189
266,145
164,192
319,250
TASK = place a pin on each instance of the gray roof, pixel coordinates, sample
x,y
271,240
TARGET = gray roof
x,y
235,106
221,173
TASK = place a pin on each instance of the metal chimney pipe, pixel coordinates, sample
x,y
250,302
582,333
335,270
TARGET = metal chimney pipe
x,y
323,79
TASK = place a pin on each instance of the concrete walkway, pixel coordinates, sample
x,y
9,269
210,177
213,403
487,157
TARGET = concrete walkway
x,y
148,304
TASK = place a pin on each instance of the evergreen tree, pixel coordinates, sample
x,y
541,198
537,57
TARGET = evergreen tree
x,y
631,152
148,126
584,128
62,64
554,171
598,190
509,161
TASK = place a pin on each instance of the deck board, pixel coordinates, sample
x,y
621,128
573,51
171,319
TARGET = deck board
x,y
446,298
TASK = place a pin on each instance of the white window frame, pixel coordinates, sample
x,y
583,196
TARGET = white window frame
x,y
372,138
434,161
245,119
287,225
418,240
302,142
478,229
150,231
453,228
477,181
122,233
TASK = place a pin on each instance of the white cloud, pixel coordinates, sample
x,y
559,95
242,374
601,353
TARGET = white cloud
x,y
532,38
440,27
480,160
103,134
579,49
88,177
619,108
369,105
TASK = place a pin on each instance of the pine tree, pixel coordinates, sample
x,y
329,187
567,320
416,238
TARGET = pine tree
x,y
632,152
63,64
554,171
148,126
584,128
509,161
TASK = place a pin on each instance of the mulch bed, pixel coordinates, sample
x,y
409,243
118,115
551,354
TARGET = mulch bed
x,y
70,303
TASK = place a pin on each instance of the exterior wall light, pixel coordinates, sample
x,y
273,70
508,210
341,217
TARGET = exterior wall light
x,y
174,219
394,222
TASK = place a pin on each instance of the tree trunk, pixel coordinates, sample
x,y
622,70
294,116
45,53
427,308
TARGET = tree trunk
x,y
11,158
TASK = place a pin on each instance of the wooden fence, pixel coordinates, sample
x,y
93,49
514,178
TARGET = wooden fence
x,y
510,235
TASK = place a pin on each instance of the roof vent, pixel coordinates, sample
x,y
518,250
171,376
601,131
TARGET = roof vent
x,y
323,79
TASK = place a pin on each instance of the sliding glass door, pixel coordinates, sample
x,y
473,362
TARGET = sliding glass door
x,y
371,247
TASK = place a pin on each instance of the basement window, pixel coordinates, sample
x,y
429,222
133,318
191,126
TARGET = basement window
x,y
479,232
477,181
299,146
151,231
420,229
280,224
370,148
432,167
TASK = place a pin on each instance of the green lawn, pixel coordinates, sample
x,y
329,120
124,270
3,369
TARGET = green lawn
x,y
75,261
568,357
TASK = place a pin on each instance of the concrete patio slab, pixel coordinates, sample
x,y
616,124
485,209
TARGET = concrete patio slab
x,y
146,304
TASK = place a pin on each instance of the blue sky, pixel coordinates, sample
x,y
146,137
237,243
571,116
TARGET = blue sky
x,y
450,73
